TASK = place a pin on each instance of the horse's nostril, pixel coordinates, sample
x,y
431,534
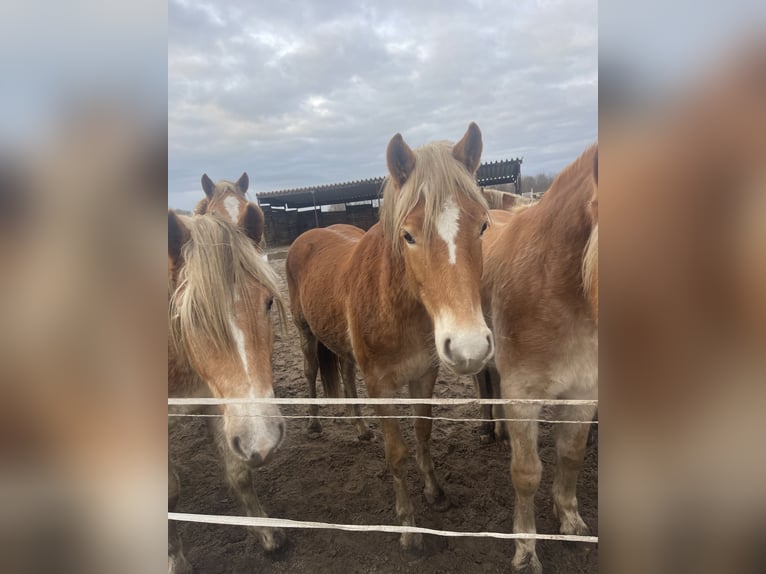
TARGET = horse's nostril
x,y
236,446
447,351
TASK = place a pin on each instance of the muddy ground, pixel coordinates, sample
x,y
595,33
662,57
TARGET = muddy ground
x,y
336,478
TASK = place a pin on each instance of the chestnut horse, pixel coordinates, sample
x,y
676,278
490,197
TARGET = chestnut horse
x,y
400,297
227,199
220,344
487,382
540,292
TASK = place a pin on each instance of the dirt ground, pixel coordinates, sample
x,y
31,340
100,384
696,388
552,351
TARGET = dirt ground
x,y
336,478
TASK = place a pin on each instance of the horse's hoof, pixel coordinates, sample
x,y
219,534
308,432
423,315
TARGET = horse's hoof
x,y
367,435
529,564
314,429
179,565
273,540
439,502
571,523
412,544
501,431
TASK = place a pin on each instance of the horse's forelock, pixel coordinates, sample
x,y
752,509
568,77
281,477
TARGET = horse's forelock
x,y
219,260
436,178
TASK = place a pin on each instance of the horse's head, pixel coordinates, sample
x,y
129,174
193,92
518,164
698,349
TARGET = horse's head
x,y
227,199
221,317
434,216
590,257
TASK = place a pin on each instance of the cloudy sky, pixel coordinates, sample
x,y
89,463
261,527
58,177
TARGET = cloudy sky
x,y
304,92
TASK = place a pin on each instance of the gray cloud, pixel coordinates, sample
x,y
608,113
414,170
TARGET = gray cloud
x,y
300,93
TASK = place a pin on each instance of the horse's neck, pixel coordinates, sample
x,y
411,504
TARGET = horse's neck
x,y
553,232
385,281
563,215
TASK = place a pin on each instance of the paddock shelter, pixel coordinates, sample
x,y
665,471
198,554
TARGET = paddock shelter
x,y
290,212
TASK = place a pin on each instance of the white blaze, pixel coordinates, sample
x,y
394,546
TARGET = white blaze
x,y
239,336
257,426
231,204
447,227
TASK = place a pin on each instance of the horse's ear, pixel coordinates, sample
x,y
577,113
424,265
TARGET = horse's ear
x,y
400,159
208,186
178,235
251,222
468,150
243,182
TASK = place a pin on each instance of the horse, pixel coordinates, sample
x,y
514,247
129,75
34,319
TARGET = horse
x,y
487,382
221,295
399,298
228,199
540,292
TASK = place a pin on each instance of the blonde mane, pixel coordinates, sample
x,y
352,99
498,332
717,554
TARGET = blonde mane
x,y
201,207
494,197
219,260
590,261
437,177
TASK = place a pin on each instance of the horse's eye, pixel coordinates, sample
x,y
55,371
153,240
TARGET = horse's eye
x,y
408,238
483,228
269,303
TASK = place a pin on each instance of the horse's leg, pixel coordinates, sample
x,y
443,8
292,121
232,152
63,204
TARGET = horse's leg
x,y
240,477
497,411
348,373
177,563
526,470
310,370
396,457
424,388
571,441
483,391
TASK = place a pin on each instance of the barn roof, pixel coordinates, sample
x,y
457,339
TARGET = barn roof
x,y
493,173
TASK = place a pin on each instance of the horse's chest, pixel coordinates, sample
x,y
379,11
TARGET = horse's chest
x,y
401,356
404,367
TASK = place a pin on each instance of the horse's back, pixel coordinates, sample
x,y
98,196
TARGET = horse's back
x,y
314,246
499,217
345,230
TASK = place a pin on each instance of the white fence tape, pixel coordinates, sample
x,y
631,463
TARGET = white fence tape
x,y
253,521
365,401
285,523
451,419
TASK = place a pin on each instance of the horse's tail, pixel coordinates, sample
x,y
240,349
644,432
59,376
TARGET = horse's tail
x,y
329,368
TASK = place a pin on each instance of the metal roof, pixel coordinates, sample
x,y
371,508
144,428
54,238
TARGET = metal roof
x,y
493,173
